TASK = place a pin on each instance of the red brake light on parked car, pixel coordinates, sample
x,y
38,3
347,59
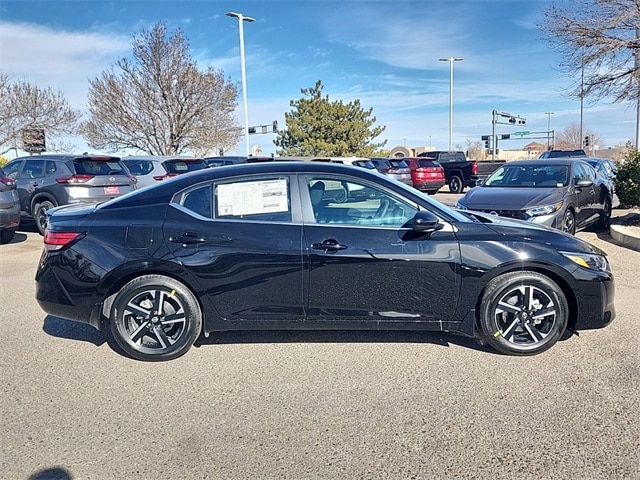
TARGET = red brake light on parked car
x,y
77,178
9,182
57,240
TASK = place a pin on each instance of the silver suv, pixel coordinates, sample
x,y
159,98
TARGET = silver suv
x,y
47,181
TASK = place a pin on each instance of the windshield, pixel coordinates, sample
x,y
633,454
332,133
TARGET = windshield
x,y
529,176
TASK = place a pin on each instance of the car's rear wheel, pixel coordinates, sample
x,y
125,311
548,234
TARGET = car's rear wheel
x,y
523,313
40,214
155,318
605,217
455,184
569,222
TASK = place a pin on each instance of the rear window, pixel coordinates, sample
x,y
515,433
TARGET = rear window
x,y
428,163
183,166
99,166
399,163
139,167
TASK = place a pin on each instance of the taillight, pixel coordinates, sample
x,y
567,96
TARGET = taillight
x,y
159,178
421,170
77,178
474,168
57,240
9,182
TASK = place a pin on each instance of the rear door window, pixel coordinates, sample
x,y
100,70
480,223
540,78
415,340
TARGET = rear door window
x,y
182,166
266,200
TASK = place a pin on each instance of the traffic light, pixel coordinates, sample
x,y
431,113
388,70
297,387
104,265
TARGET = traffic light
x,y
252,129
275,126
512,119
586,141
486,140
522,121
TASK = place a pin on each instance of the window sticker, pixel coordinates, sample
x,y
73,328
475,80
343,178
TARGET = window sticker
x,y
247,198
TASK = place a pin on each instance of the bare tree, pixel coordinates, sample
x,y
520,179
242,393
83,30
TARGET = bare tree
x,y
25,107
569,138
160,103
600,45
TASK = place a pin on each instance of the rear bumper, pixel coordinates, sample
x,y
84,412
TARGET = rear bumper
x,y
428,185
9,217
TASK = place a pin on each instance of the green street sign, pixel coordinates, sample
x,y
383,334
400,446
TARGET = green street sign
x,y
522,133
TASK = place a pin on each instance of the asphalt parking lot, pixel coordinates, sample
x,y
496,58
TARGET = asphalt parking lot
x,y
316,405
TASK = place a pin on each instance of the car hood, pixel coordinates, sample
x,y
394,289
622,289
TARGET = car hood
x,y
523,230
510,198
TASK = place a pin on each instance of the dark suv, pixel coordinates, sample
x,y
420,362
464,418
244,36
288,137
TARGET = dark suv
x,y
46,181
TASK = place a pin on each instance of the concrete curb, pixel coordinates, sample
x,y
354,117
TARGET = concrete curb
x,y
626,230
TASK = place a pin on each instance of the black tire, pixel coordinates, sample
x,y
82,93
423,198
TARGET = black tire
x,y
455,184
6,236
605,219
523,313
146,335
40,215
568,222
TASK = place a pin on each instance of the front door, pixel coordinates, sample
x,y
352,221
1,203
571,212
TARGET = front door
x,y
365,266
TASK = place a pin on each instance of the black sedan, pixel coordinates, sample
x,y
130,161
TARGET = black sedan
x,y
563,193
259,246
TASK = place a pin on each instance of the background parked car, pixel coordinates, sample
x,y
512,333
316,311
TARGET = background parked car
x,y
394,168
9,207
563,193
607,169
578,152
224,160
150,170
426,174
47,181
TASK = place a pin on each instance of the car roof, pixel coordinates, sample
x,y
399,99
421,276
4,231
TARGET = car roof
x,y
163,190
547,161
66,156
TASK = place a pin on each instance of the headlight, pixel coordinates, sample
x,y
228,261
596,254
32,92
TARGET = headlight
x,y
460,206
544,210
589,260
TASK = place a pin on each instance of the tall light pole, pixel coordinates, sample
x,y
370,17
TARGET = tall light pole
x,y
548,114
451,60
241,18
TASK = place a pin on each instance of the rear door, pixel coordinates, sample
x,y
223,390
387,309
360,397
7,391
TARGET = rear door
x,y
241,239
365,266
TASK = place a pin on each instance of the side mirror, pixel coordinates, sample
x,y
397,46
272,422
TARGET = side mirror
x,y
480,182
424,221
584,184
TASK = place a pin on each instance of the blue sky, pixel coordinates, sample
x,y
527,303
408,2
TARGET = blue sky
x,y
384,53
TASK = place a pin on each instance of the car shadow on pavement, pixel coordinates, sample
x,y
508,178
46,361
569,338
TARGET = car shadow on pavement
x,y
443,339
72,330
62,328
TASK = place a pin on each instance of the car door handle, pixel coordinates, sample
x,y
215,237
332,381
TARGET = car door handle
x,y
328,246
188,238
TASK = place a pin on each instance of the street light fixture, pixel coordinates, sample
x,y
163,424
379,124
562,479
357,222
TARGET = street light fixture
x,y
548,114
241,18
451,60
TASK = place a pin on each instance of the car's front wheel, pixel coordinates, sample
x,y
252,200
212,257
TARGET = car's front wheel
x,y
523,313
40,214
155,318
568,222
